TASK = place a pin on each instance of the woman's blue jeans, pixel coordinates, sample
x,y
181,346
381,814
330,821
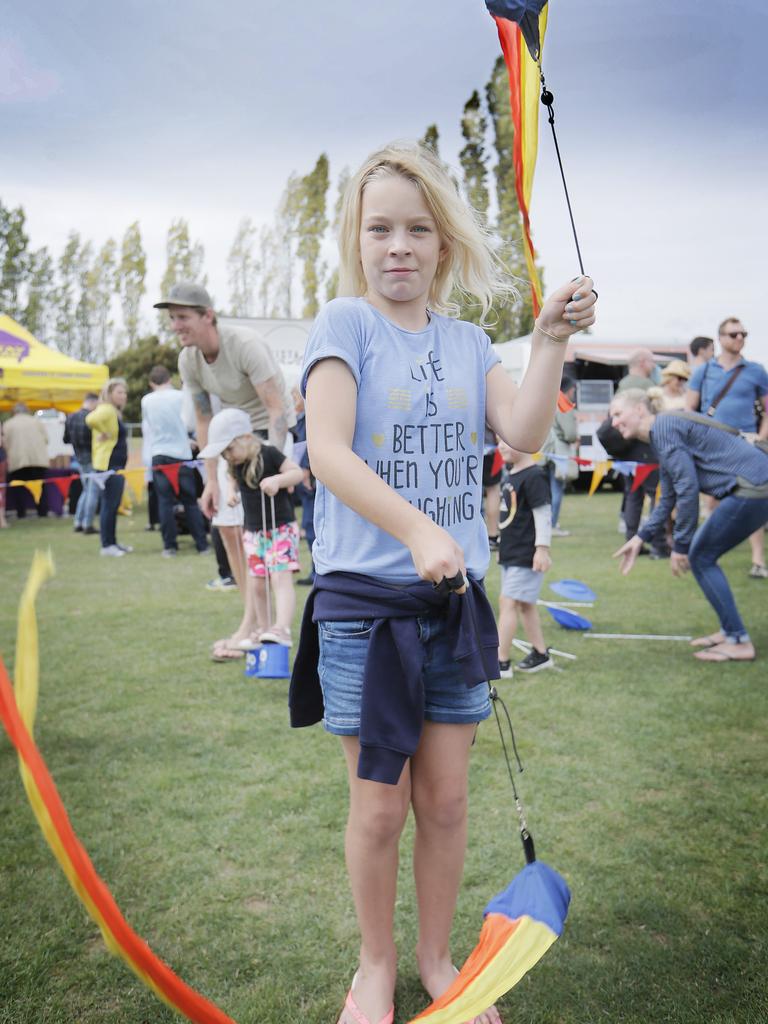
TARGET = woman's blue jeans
x,y
732,521
557,490
110,503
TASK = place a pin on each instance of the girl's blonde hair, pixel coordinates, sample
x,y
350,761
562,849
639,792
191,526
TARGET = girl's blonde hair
x,y
470,266
109,387
254,461
652,398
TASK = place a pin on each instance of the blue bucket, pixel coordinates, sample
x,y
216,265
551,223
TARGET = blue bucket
x,y
270,661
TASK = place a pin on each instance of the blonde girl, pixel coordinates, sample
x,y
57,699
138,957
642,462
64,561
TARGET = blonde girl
x,y
398,394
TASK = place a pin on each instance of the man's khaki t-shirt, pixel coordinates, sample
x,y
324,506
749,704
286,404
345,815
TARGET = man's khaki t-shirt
x,y
244,361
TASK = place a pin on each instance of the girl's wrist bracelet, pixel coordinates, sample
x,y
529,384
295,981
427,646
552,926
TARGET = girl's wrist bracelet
x,y
560,341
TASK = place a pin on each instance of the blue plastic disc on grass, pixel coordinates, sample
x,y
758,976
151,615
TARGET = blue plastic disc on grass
x,y
569,619
574,590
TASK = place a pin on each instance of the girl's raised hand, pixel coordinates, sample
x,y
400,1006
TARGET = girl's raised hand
x,y
569,309
270,485
435,553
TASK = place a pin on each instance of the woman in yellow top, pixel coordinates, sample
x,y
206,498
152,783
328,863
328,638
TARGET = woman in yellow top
x,y
110,451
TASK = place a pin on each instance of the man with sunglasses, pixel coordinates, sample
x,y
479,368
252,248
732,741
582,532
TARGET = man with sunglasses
x,y
732,390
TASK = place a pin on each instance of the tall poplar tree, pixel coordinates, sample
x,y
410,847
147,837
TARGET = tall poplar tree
x,y
472,157
332,283
65,296
514,319
131,274
431,139
102,283
283,238
311,225
38,312
86,345
265,270
243,268
14,259
184,262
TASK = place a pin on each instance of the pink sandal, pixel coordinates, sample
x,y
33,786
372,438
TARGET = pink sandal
x,y
358,1014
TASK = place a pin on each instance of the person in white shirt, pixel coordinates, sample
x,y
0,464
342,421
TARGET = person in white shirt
x,y
164,430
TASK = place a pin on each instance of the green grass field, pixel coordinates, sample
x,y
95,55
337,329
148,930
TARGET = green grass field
x,y
219,829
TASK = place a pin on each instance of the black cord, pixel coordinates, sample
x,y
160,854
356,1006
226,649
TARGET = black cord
x,y
549,102
525,836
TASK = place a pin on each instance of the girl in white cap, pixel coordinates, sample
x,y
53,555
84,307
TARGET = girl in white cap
x,y
260,476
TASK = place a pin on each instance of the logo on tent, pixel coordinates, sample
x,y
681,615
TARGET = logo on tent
x,y
13,347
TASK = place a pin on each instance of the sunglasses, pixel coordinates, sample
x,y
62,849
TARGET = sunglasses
x,y
735,334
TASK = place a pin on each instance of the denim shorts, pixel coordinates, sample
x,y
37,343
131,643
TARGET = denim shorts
x,y
343,649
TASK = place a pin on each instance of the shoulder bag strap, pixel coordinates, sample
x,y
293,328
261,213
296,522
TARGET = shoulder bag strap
x,y
728,385
698,417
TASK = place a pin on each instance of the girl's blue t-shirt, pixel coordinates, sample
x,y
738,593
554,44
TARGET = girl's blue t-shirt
x,y
420,424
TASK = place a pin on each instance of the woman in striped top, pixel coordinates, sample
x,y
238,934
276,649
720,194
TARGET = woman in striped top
x,y
696,454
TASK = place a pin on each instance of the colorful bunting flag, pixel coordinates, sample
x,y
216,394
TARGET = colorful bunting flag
x,y
601,468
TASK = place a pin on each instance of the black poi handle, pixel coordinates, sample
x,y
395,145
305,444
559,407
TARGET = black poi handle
x,y
455,585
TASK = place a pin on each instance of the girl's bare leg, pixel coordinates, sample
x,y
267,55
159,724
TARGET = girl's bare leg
x,y
439,771
232,539
377,813
285,599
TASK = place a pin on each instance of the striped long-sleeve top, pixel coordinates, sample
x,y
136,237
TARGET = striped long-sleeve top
x,y
695,456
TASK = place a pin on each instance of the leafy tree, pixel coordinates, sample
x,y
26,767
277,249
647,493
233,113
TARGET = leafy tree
x,y
184,262
431,139
312,223
130,280
38,312
513,321
134,363
243,269
14,259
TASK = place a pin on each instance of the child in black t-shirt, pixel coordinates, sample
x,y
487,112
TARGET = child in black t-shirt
x,y
257,469
525,530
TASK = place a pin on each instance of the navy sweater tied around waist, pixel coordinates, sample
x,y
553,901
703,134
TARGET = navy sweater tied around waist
x,y
392,712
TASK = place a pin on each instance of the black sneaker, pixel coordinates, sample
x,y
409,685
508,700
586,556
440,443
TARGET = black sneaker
x,y
535,661
505,670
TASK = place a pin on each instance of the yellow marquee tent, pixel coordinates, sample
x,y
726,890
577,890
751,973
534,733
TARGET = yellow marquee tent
x,y
43,379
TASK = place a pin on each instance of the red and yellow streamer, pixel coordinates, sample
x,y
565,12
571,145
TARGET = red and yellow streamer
x,y
18,706
524,102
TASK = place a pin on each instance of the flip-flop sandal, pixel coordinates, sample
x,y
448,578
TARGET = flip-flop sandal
x,y
358,1014
706,641
224,652
249,644
712,654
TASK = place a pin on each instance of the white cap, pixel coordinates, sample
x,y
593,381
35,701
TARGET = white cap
x,y
223,429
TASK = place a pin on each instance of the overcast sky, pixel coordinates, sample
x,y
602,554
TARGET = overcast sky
x,y
138,110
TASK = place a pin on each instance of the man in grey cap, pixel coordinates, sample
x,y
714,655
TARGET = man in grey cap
x,y
236,365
